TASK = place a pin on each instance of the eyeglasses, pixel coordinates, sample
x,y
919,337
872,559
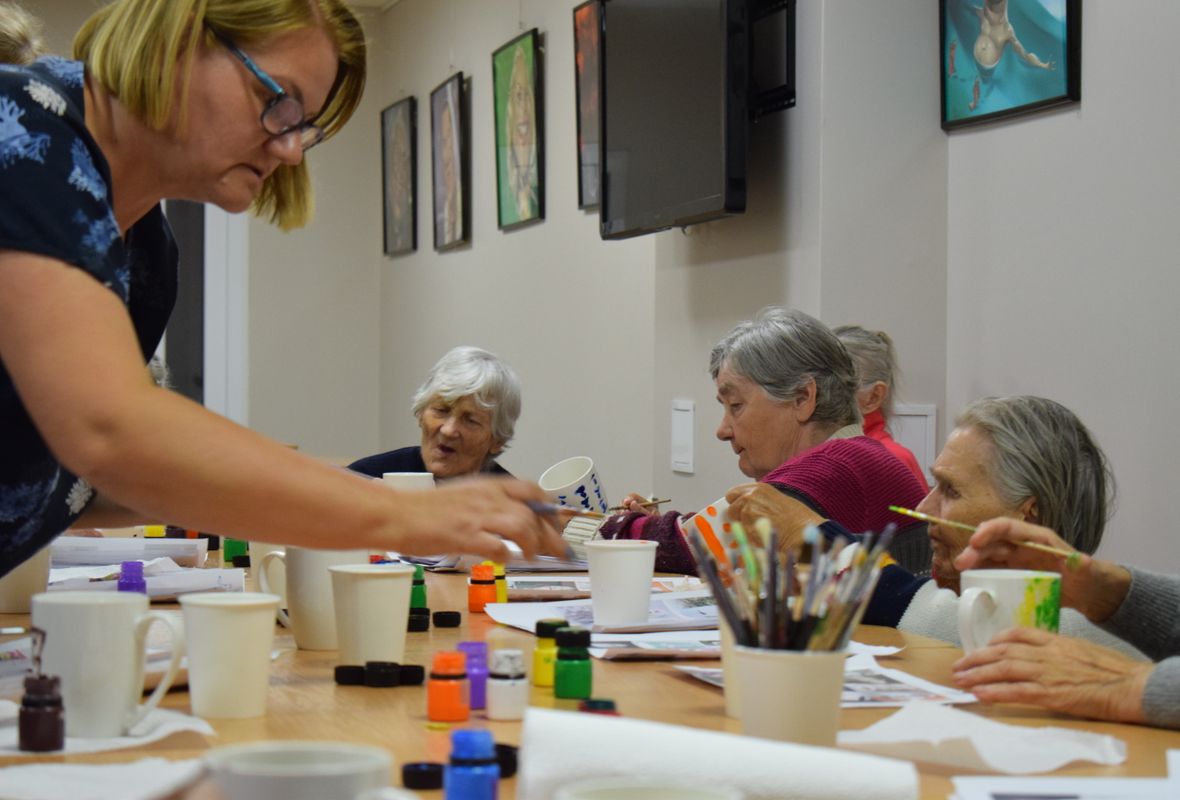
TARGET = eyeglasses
x,y
283,113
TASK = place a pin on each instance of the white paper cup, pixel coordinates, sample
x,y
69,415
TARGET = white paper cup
x,y
230,636
95,642
642,789
298,770
711,523
993,600
413,481
372,611
30,577
731,682
791,695
620,580
310,611
574,482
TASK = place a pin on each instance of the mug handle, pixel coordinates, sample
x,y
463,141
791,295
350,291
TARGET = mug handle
x,y
136,715
975,605
264,583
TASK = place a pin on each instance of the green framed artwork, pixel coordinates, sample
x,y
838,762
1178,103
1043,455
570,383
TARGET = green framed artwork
x,y
520,152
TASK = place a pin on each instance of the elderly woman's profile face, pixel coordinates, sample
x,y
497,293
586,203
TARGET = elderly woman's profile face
x,y
456,437
963,492
763,432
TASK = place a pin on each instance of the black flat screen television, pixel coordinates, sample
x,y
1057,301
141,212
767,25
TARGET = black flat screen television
x,y
675,120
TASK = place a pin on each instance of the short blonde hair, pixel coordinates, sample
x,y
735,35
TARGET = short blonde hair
x,y
139,49
20,35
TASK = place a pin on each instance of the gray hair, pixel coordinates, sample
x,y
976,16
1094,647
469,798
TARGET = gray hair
x,y
471,371
20,35
781,350
875,359
1042,450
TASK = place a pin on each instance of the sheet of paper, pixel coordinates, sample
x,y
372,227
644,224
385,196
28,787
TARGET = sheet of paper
x,y
937,734
992,788
673,611
162,585
526,588
867,685
664,645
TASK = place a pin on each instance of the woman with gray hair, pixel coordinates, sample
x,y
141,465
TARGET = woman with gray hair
x,y
467,409
876,365
20,35
787,389
1024,458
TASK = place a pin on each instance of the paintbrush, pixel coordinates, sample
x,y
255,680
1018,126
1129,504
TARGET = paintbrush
x,y
645,504
909,512
1072,557
553,508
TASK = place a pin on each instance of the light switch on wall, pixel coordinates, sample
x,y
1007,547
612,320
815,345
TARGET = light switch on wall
x,y
682,413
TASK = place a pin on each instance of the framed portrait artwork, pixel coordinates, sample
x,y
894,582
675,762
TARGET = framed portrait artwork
x,y
1001,58
520,151
448,148
399,176
587,23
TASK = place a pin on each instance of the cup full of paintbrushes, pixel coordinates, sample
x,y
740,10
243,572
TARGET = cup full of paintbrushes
x,y
790,634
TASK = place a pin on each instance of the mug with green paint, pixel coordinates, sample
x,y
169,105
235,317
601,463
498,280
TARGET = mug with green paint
x,y
994,600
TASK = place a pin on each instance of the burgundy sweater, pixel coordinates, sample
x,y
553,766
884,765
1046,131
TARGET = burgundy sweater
x,y
851,481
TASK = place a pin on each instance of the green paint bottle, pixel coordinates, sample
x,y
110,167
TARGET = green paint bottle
x,y
418,591
572,674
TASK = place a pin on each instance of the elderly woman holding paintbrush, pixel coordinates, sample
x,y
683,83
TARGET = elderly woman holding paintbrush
x,y
1025,458
787,388
1069,675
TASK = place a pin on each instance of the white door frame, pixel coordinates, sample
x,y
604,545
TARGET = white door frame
x,y
227,284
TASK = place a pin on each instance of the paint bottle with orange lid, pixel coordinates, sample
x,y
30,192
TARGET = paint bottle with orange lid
x,y
482,588
447,690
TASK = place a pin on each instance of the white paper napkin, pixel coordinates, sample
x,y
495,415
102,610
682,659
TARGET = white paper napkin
x,y
147,779
561,747
938,734
158,724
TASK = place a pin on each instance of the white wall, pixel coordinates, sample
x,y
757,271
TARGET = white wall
x,y
1062,271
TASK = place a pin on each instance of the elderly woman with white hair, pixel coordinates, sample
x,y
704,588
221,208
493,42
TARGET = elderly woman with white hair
x,y
787,390
1024,458
467,409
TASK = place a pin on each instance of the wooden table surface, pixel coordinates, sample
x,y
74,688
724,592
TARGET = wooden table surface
x,y
305,703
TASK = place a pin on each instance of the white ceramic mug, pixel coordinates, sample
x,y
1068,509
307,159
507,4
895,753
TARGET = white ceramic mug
x,y
298,770
96,643
310,611
638,788
372,611
276,577
993,600
798,694
711,523
229,636
412,481
574,482
28,578
620,580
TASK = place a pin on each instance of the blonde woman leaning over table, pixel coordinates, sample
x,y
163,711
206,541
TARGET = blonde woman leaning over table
x,y
1070,675
787,392
214,101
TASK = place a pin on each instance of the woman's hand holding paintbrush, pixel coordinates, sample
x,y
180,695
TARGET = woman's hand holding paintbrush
x,y
1092,586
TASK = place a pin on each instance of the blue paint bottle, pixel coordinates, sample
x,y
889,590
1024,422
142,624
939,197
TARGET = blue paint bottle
x,y
474,772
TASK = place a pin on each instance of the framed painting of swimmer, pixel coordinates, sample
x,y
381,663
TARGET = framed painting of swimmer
x,y
587,22
399,176
520,151
1002,58
449,166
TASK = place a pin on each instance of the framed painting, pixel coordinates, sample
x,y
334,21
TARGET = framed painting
x,y
520,143
449,148
1003,58
399,176
587,23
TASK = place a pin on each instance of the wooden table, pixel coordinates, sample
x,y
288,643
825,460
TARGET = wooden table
x,y
305,703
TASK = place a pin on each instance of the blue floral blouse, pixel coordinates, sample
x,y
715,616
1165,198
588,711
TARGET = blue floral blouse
x,y
55,201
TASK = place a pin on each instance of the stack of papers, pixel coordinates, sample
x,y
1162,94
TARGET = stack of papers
x,y
671,611
544,589
76,551
163,576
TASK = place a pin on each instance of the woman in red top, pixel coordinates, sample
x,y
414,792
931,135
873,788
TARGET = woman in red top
x,y
876,364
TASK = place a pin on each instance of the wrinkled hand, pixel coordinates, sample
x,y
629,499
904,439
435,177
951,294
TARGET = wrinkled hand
x,y
474,516
1094,587
632,502
749,502
1074,676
